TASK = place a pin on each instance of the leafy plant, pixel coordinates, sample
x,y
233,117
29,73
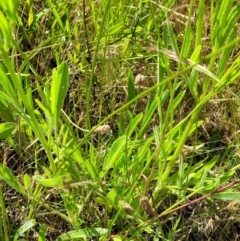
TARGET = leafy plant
x,y
110,156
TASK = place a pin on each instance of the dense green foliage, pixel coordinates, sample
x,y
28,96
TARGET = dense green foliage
x,y
119,119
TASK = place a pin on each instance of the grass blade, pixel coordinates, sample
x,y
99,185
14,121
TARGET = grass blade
x,y
131,88
59,90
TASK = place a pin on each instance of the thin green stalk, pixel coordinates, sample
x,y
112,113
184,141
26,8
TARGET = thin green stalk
x,y
200,21
37,195
4,216
96,50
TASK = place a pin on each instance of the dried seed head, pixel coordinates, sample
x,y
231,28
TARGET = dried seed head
x,y
104,129
147,207
140,80
126,207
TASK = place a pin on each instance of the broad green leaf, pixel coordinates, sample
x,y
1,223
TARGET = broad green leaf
x,y
5,112
227,196
10,8
115,28
133,124
6,129
105,202
27,182
6,84
196,53
42,233
7,176
114,153
118,238
49,182
131,88
76,153
59,90
25,227
112,196
82,233
6,31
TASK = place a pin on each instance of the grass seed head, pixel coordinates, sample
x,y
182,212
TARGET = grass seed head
x,y
126,207
104,129
140,80
147,207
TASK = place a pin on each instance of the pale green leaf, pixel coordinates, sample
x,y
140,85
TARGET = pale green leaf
x,y
82,233
6,129
7,176
24,228
27,182
59,90
47,182
42,233
116,28
227,196
133,124
114,154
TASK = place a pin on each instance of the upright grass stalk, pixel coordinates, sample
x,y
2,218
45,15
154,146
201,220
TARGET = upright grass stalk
x,y
4,224
93,64
200,21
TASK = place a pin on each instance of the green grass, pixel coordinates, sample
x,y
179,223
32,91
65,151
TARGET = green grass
x,y
119,120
